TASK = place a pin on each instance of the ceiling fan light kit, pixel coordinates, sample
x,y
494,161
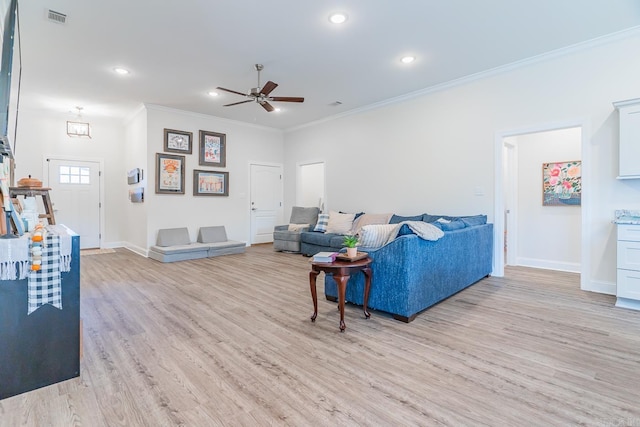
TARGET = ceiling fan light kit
x,y
261,96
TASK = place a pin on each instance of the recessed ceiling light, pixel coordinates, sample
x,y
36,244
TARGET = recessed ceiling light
x,y
408,59
338,18
277,110
121,70
213,93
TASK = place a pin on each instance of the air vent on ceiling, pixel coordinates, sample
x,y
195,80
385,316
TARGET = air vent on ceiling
x,y
57,17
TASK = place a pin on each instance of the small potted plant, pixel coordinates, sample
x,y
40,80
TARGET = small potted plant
x,y
351,242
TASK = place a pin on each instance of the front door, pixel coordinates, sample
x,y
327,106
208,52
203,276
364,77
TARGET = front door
x,y
266,201
75,195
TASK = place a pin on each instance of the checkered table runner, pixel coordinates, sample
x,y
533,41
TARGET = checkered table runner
x,y
45,285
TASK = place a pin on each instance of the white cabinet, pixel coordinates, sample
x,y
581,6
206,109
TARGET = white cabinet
x,y
629,160
628,283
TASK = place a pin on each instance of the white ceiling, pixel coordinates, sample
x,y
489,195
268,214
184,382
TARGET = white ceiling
x,y
177,51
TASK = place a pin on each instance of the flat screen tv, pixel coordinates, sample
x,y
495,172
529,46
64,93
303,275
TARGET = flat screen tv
x,y
9,74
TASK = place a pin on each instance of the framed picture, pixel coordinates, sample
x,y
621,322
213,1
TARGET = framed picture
x,y
177,141
169,174
562,183
210,183
213,149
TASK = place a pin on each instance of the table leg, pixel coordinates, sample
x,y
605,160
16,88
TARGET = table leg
x,y
313,275
341,281
367,285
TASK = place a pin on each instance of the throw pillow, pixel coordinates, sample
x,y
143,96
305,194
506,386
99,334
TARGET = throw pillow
x,y
323,220
369,219
298,227
377,235
340,223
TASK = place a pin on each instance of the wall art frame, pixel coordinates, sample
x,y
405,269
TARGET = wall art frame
x,y
169,173
562,183
213,149
178,141
210,183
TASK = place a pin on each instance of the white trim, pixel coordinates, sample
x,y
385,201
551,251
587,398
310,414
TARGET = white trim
x,y
498,223
572,267
101,175
578,47
602,287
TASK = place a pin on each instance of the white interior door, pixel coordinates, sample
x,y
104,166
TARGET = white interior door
x,y
266,201
75,195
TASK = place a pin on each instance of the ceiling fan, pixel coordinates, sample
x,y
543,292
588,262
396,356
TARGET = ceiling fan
x,y
261,96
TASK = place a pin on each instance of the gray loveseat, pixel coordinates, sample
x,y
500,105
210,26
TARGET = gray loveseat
x,y
288,240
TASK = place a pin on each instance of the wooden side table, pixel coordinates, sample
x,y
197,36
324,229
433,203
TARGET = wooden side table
x,y
341,271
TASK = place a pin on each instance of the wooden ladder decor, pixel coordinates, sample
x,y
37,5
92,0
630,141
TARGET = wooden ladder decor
x,y
36,191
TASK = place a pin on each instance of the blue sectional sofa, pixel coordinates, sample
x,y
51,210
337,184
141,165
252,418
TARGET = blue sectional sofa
x,y
411,274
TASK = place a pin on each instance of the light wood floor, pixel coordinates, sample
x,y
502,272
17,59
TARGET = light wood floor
x,y
228,341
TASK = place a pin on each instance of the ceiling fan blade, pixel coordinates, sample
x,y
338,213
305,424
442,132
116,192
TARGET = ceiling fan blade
x,y
267,106
237,103
268,88
287,99
232,91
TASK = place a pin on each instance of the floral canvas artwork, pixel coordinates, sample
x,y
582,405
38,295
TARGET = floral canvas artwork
x,y
562,183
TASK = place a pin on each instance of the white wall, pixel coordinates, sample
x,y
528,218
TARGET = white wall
x,y
435,153
547,236
44,133
134,225
245,143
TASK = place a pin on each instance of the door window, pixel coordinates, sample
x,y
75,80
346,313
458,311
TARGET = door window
x,y
74,175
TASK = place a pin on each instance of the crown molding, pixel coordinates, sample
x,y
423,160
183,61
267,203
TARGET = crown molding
x,y
558,53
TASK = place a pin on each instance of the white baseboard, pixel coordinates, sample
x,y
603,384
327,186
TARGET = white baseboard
x,y
137,249
112,245
599,287
570,267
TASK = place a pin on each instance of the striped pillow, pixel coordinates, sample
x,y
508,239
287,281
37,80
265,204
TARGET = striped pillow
x,y
377,235
323,220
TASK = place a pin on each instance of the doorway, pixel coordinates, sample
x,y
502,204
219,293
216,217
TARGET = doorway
x,y
76,197
536,235
501,217
266,201
310,188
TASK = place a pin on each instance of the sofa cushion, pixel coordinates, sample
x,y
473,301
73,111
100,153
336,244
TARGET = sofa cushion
x,y
377,235
339,223
300,215
369,219
298,227
173,236
474,220
396,219
212,234
321,239
323,220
